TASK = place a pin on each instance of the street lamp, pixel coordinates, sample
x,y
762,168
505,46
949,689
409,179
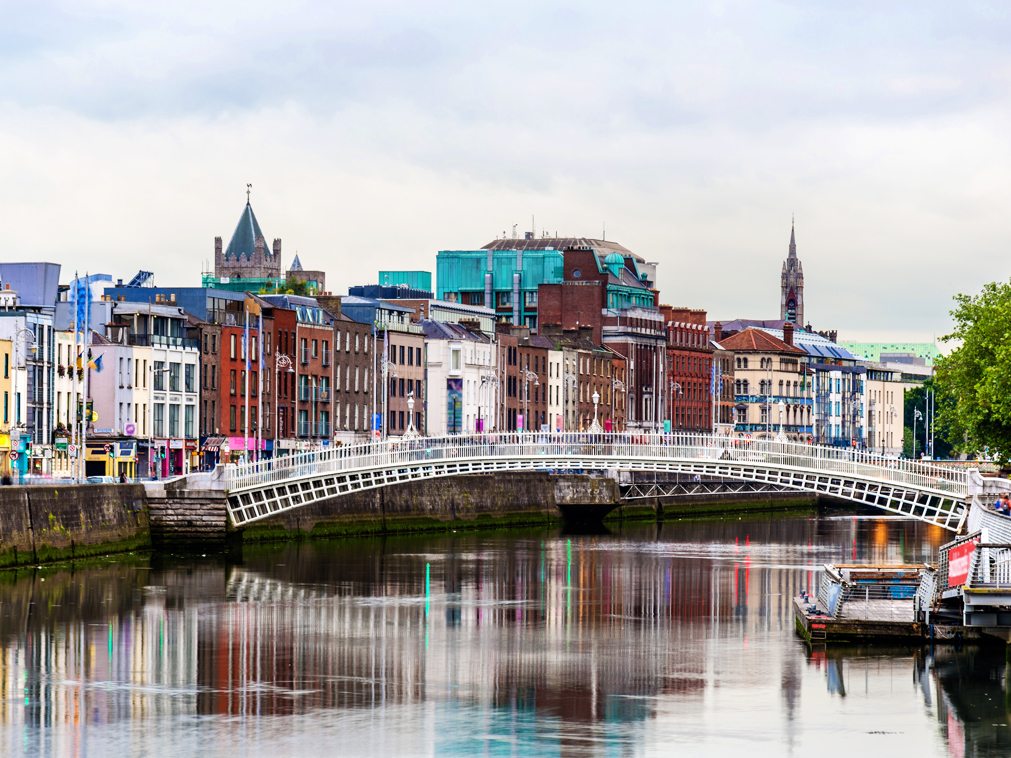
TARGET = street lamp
x,y
411,432
281,361
528,375
916,416
489,380
616,384
680,394
781,437
150,436
595,426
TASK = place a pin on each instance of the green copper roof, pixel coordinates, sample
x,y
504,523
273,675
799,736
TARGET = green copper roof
x,y
243,240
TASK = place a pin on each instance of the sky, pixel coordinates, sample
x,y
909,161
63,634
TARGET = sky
x,y
376,134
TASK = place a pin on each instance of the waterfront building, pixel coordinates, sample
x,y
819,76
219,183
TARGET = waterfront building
x,y
690,375
166,363
400,345
772,389
27,316
884,401
588,369
791,286
524,362
556,389
305,332
119,395
462,378
7,397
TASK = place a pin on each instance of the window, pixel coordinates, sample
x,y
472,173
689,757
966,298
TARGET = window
x,y
315,348
231,379
455,359
191,371
231,418
159,376
214,377
410,357
173,420
356,342
174,377
159,419
401,355
190,415
231,350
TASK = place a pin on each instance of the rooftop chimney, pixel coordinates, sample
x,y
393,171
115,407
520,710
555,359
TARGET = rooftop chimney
x,y
788,333
718,332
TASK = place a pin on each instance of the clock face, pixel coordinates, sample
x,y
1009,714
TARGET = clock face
x,y
576,274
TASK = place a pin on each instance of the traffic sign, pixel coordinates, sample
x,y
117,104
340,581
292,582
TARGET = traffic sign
x,y
108,448
13,454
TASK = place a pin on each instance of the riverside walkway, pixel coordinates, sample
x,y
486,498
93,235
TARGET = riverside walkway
x,y
935,494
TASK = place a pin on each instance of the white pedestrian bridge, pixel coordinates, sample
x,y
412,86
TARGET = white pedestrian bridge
x,y
930,492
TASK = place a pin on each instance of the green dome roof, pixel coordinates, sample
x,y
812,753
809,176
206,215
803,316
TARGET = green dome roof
x,y
614,258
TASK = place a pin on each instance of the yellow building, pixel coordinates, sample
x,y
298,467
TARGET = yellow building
x,y
885,399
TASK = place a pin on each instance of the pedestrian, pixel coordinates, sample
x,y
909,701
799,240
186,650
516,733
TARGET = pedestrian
x,y
122,477
6,481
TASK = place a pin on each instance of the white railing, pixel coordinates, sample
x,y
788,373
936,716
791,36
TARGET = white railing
x,y
615,450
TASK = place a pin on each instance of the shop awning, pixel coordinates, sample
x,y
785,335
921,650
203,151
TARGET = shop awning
x,y
211,444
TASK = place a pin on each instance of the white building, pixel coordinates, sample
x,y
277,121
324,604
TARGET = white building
x,y
462,382
158,366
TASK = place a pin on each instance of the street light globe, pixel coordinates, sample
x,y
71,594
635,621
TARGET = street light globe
x,y
596,397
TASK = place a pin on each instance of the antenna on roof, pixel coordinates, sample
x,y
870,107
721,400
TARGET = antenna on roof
x,y
249,188
604,237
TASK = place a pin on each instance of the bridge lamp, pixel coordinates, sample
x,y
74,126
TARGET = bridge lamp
x,y
595,426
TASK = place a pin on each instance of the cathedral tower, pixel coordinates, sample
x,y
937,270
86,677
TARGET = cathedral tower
x,y
791,301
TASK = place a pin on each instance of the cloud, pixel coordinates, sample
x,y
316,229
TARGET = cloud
x,y
376,134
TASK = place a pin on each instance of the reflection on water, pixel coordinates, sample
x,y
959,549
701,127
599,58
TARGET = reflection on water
x,y
649,639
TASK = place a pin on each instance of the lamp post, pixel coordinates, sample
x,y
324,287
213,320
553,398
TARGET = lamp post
x,y
528,375
490,381
781,437
916,416
280,361
411,433
892,414
150,436
680,394
28,336
595,426
616,384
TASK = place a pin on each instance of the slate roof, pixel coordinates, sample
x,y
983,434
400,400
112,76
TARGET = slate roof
x,y
243,240
442,330
756,340
296,265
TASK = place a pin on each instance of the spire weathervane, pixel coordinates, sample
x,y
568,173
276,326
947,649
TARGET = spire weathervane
x,y
249,188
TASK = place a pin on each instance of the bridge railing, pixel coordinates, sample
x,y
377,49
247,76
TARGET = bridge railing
x,y
601,450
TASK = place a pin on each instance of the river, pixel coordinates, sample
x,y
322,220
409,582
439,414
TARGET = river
x,y
672,639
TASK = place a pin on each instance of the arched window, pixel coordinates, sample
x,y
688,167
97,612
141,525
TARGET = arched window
x,y
781,387
738,363
745,362
737,387
761,387
745,384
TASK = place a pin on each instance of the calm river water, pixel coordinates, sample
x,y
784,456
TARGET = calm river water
x,y
650,640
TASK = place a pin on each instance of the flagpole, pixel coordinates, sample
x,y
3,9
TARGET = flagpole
x,y
245,388
75,437
259,386
84,364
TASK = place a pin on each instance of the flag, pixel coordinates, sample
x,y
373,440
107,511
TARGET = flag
x,y
80,297
95,363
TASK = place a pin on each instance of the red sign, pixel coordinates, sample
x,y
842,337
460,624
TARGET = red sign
x,y
959,558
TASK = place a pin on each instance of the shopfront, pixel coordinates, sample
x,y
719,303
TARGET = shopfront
x,y
111,458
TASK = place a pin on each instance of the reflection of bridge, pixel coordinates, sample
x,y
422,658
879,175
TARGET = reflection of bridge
x,y
931,493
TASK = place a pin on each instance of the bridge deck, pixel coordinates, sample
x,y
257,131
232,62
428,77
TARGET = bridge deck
x,y
932,493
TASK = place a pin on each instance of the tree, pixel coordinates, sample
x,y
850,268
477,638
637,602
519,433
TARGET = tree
x,y
916,400
291,286
977,374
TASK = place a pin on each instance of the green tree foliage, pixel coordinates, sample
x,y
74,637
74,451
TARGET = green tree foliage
x,y
977,374
916,400
291,286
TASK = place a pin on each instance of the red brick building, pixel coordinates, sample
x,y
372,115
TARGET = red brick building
x,y
689,379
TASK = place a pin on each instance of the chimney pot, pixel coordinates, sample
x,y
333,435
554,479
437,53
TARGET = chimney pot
x,y
788,333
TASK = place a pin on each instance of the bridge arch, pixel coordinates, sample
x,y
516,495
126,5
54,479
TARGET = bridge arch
x,y
931,493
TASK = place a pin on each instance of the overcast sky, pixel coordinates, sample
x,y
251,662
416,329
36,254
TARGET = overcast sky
x,y
376,134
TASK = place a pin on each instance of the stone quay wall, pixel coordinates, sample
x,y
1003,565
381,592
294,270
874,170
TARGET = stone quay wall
x,y
41,524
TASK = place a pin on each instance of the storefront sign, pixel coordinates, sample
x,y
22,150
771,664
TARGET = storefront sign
x,y
61,443
176,444
239,443
130,429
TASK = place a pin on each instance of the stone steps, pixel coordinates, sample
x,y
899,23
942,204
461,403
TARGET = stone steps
x,y
187,516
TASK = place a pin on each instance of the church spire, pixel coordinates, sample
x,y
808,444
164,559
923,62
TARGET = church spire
x,y
793,240
791,298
